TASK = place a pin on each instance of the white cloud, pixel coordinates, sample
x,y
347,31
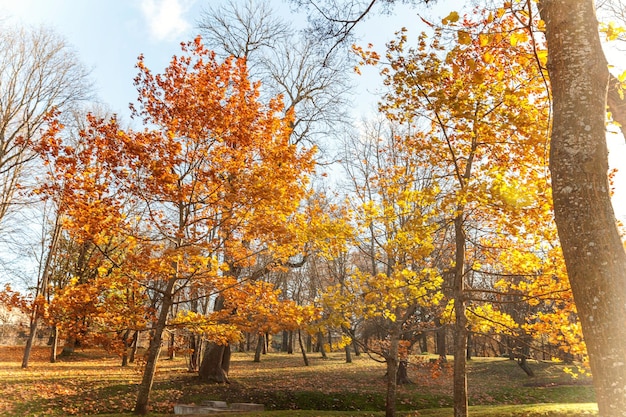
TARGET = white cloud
x,y
165,18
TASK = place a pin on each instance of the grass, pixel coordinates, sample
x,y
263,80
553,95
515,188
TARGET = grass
x,y
92,382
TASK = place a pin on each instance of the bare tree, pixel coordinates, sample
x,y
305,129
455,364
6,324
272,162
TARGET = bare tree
x,y
39,73
313,84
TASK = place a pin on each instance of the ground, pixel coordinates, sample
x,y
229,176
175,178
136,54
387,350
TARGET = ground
x,y
93,382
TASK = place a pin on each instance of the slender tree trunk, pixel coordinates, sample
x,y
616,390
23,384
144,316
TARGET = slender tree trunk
x,y
290,343
31,338
320,344
440,340
592,248
460,325
54,343
302,349
126,341
171,346
154,350
392,374
259,348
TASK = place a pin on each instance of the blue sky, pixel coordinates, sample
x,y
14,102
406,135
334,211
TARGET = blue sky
x,y
109,35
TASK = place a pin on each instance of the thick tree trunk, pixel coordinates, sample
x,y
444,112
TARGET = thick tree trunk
x,y
154,350
215,364
593,251
348,354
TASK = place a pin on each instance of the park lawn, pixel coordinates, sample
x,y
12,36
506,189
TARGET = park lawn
x,y
92,382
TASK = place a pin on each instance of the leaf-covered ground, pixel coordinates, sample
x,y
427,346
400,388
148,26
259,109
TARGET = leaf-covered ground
x,y
92,382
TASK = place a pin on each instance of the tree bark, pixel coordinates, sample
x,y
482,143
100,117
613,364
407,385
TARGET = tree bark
x,y
259,347
54,343
154,350
215,364
302,349
592,248
392,374
216,358
440,341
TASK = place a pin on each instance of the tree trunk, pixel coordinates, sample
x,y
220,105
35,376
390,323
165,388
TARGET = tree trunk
x,y
69,347
134,346
348,354
54,343
154,349
215,364
194,357
403,373
126,342
440,340
290,343
285,341
592,248
320,344
392,374
31,338
304,357
460,325
260,343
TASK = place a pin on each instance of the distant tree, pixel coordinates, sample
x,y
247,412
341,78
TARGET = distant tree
x,y
39,73
287,62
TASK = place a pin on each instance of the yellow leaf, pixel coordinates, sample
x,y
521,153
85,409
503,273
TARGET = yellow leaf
x,y
464,38
451,18
488,57
484,39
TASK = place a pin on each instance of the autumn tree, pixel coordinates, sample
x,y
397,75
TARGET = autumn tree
x,y
393,208
593,250
484,130
582,200
213,177
39,73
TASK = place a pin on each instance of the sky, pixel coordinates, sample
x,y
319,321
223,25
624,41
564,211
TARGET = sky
x,y
109,35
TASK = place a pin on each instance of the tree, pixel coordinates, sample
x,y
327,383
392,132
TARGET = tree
x,y
394,200
39,73
593,250
288,63
479,113
213,178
